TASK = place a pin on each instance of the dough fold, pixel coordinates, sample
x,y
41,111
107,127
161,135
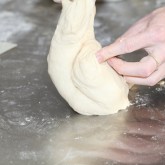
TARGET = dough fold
x,y
90,88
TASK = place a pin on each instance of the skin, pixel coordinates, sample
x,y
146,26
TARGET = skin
x,y
149,34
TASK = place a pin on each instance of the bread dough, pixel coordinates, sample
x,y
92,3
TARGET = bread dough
x,y
90,88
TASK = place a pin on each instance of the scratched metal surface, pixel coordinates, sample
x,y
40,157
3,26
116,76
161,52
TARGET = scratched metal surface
x,y
38,127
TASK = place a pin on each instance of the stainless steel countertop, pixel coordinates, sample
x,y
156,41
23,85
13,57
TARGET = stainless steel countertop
x,y
38,127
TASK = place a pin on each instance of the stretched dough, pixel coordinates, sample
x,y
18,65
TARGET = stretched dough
x,y
90,88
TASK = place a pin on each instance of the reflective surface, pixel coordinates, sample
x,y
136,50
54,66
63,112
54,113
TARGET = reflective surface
x,y
132,137
38,127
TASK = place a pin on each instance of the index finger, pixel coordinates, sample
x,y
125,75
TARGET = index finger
x,y
126,45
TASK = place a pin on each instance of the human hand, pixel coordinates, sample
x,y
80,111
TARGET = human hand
x,y
149,34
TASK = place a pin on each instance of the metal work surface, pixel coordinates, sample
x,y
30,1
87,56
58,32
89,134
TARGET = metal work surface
x,y
37,127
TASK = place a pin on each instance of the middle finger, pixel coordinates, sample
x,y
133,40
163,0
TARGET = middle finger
x,y
144,68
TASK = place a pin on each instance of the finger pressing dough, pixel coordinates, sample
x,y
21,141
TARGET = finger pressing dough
x,y
90,88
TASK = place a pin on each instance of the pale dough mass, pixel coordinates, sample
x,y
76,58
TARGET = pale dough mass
x,y
90,88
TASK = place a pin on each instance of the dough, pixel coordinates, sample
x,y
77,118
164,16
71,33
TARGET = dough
x,y
90,88
6,46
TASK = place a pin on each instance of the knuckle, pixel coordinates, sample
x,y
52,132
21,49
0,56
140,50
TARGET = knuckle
x,y
151,82
147,71
158,34
127,47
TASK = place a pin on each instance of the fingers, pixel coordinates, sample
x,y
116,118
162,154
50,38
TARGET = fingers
x,y
145,72
158,52
126,45
152,80
131,40
144,68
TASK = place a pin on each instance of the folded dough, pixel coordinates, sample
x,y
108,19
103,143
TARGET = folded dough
x,y
90,88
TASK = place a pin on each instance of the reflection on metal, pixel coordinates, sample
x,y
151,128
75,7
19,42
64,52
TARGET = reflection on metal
x,y
132,137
